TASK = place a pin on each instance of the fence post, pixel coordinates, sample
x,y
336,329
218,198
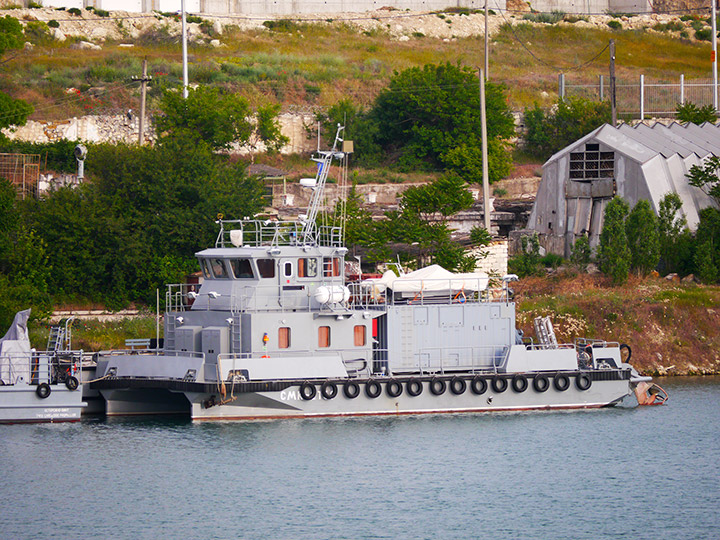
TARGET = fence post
x,y
682,89
561,85
642,97
602,90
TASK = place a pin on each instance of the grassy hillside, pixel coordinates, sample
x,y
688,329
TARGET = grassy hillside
x,y
316,64
672,328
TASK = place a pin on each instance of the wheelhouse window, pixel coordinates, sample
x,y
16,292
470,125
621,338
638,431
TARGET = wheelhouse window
x,y
307,268
242,269
331,266
287,269
218,268
205,267
284,337
359,335
324,336
266,267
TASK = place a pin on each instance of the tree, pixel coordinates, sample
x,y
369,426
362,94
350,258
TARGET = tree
x,y
358,128
13,112
613,252
671,225
570,119
641,229
427,113
446,195
706,177
267,127
207,114
707,241
689,112
581,253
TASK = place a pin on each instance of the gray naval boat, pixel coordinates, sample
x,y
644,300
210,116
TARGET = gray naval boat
x,y
273,331
39,386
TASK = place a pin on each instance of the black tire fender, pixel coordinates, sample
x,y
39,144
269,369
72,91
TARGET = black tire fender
x,y
541,383
561,382
583,381
629,350
499,384
372,389
328,390
478,385
414,387
351,389
43,390
437,386
72,383
458,386
393,388
307,391
519,383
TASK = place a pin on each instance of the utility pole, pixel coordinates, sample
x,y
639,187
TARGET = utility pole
x,y
714,55
487,43
613,103
184,51
143,92
483,127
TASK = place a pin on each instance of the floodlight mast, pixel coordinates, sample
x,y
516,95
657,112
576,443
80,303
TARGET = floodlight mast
x,y
324,161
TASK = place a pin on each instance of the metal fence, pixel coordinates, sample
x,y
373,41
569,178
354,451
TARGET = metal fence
x,y
643,98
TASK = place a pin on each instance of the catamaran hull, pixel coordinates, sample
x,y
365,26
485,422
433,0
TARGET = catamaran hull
x,y
289,402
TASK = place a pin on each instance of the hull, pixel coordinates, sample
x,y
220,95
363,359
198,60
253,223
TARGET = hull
x,y
286,400
20,403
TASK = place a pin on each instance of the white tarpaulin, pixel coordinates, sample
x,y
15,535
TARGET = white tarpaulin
x,y
431,279
15,352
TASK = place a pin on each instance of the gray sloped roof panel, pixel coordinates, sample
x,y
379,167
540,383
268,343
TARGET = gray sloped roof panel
x,y
706,140
625,141
661,143
677,141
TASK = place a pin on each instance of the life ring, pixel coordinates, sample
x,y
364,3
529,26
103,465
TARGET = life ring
x,y
478,385
437,386
499,384
414,387
583,381
541,383
43,390
519,383
561,382
372,389
457,386
71,383
328,390
351,390
307,391
629,350
393,388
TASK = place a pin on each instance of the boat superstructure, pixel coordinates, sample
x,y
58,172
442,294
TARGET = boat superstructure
x,y
274,331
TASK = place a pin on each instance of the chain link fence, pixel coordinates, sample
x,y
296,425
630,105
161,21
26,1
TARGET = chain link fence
x,y
643,98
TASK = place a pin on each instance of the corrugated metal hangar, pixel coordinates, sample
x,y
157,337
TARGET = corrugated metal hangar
x,y
640,162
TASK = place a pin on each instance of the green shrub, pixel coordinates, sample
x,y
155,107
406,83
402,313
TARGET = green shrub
x,y
52,23
697,25
684,34
282,25
102,13
479,236
615,25
527,262
614,253
574,18
546,18
551,260
581,253
704,34
74,11
34,5
689,112
193,19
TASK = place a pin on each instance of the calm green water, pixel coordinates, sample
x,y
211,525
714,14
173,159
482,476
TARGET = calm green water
x,y
650,473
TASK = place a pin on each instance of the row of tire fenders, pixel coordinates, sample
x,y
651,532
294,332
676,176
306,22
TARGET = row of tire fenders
x,y
44,390
437,386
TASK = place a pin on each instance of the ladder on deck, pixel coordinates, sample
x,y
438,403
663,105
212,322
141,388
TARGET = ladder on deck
x,y
544,332
60,337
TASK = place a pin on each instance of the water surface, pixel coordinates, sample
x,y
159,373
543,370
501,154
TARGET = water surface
x,y
649,472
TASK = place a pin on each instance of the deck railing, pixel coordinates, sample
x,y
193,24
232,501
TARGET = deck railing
x,y
269,233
